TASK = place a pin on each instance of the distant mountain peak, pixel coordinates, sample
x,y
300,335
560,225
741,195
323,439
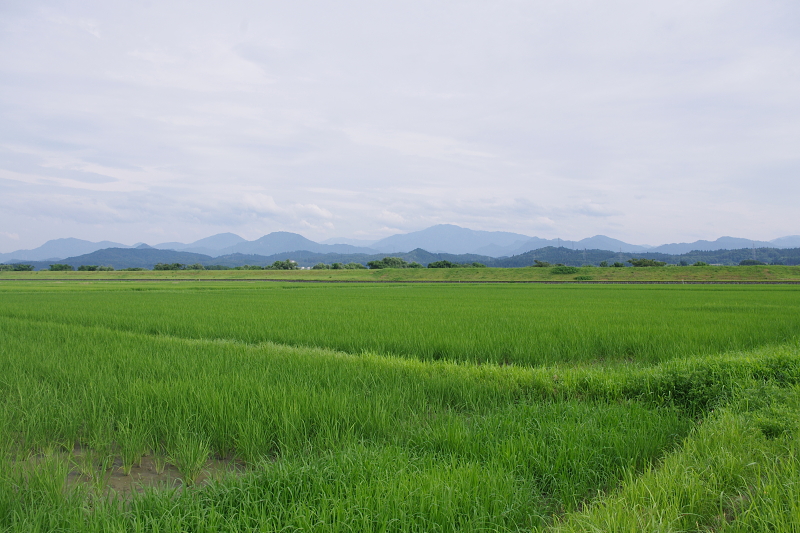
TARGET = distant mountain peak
x,y
448,238
55,249
440,238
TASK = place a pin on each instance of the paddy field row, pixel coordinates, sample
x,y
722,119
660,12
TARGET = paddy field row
x,y
506,324
275,408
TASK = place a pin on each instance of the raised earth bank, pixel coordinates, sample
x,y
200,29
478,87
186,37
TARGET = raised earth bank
x,y
764,273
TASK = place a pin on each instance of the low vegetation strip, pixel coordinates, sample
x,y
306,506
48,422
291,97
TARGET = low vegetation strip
x,y
542,282
666,273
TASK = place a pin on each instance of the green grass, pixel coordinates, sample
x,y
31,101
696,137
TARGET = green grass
x,y
730,476
525,325
495,438
687,422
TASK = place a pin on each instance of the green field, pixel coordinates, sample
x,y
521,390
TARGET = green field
x,y
241,406
771,273
524,325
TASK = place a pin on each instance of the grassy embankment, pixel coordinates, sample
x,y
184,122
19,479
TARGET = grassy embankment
x,y
99,378
672,273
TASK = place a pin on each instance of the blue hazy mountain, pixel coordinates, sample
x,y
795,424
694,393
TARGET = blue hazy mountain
x,y
448,238
145,256
208,246
601,242
273,243
792,241
443,238
723,243
284,241
142,256
367,243
59,248
598,242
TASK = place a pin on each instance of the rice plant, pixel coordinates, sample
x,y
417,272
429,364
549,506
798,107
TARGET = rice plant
x,y
606,410
189,453
528,325
132,440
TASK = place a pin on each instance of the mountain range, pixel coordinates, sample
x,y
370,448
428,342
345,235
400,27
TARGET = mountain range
x,y
439,239
147,257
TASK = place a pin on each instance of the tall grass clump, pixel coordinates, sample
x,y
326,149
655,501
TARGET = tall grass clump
x,y
132,441
189,452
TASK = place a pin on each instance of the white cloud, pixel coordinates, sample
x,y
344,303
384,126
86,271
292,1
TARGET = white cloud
x,y
414,144
648,122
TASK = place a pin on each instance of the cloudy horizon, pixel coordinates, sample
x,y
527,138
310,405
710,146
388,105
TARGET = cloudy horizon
x,y
137,121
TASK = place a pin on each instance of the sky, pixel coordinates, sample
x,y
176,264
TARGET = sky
x,y
650,122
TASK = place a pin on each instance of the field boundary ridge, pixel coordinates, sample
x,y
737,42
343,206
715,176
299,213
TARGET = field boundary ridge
x,y
453,282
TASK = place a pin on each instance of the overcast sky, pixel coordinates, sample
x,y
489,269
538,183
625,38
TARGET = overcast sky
x,y
650,122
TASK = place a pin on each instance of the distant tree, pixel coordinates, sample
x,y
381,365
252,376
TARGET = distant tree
x,y
478,265
169,266
604,264
338,266
443,264
388,262
700,264
105,268
6,268
646,263
196,266
683,263
750,262
282,265
132,269
540,264
83,268
617,264
61,267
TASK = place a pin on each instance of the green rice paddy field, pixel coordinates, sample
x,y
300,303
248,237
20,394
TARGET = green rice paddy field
x,y
241,406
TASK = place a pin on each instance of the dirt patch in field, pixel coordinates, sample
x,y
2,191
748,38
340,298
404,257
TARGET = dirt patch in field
x,y
82,468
